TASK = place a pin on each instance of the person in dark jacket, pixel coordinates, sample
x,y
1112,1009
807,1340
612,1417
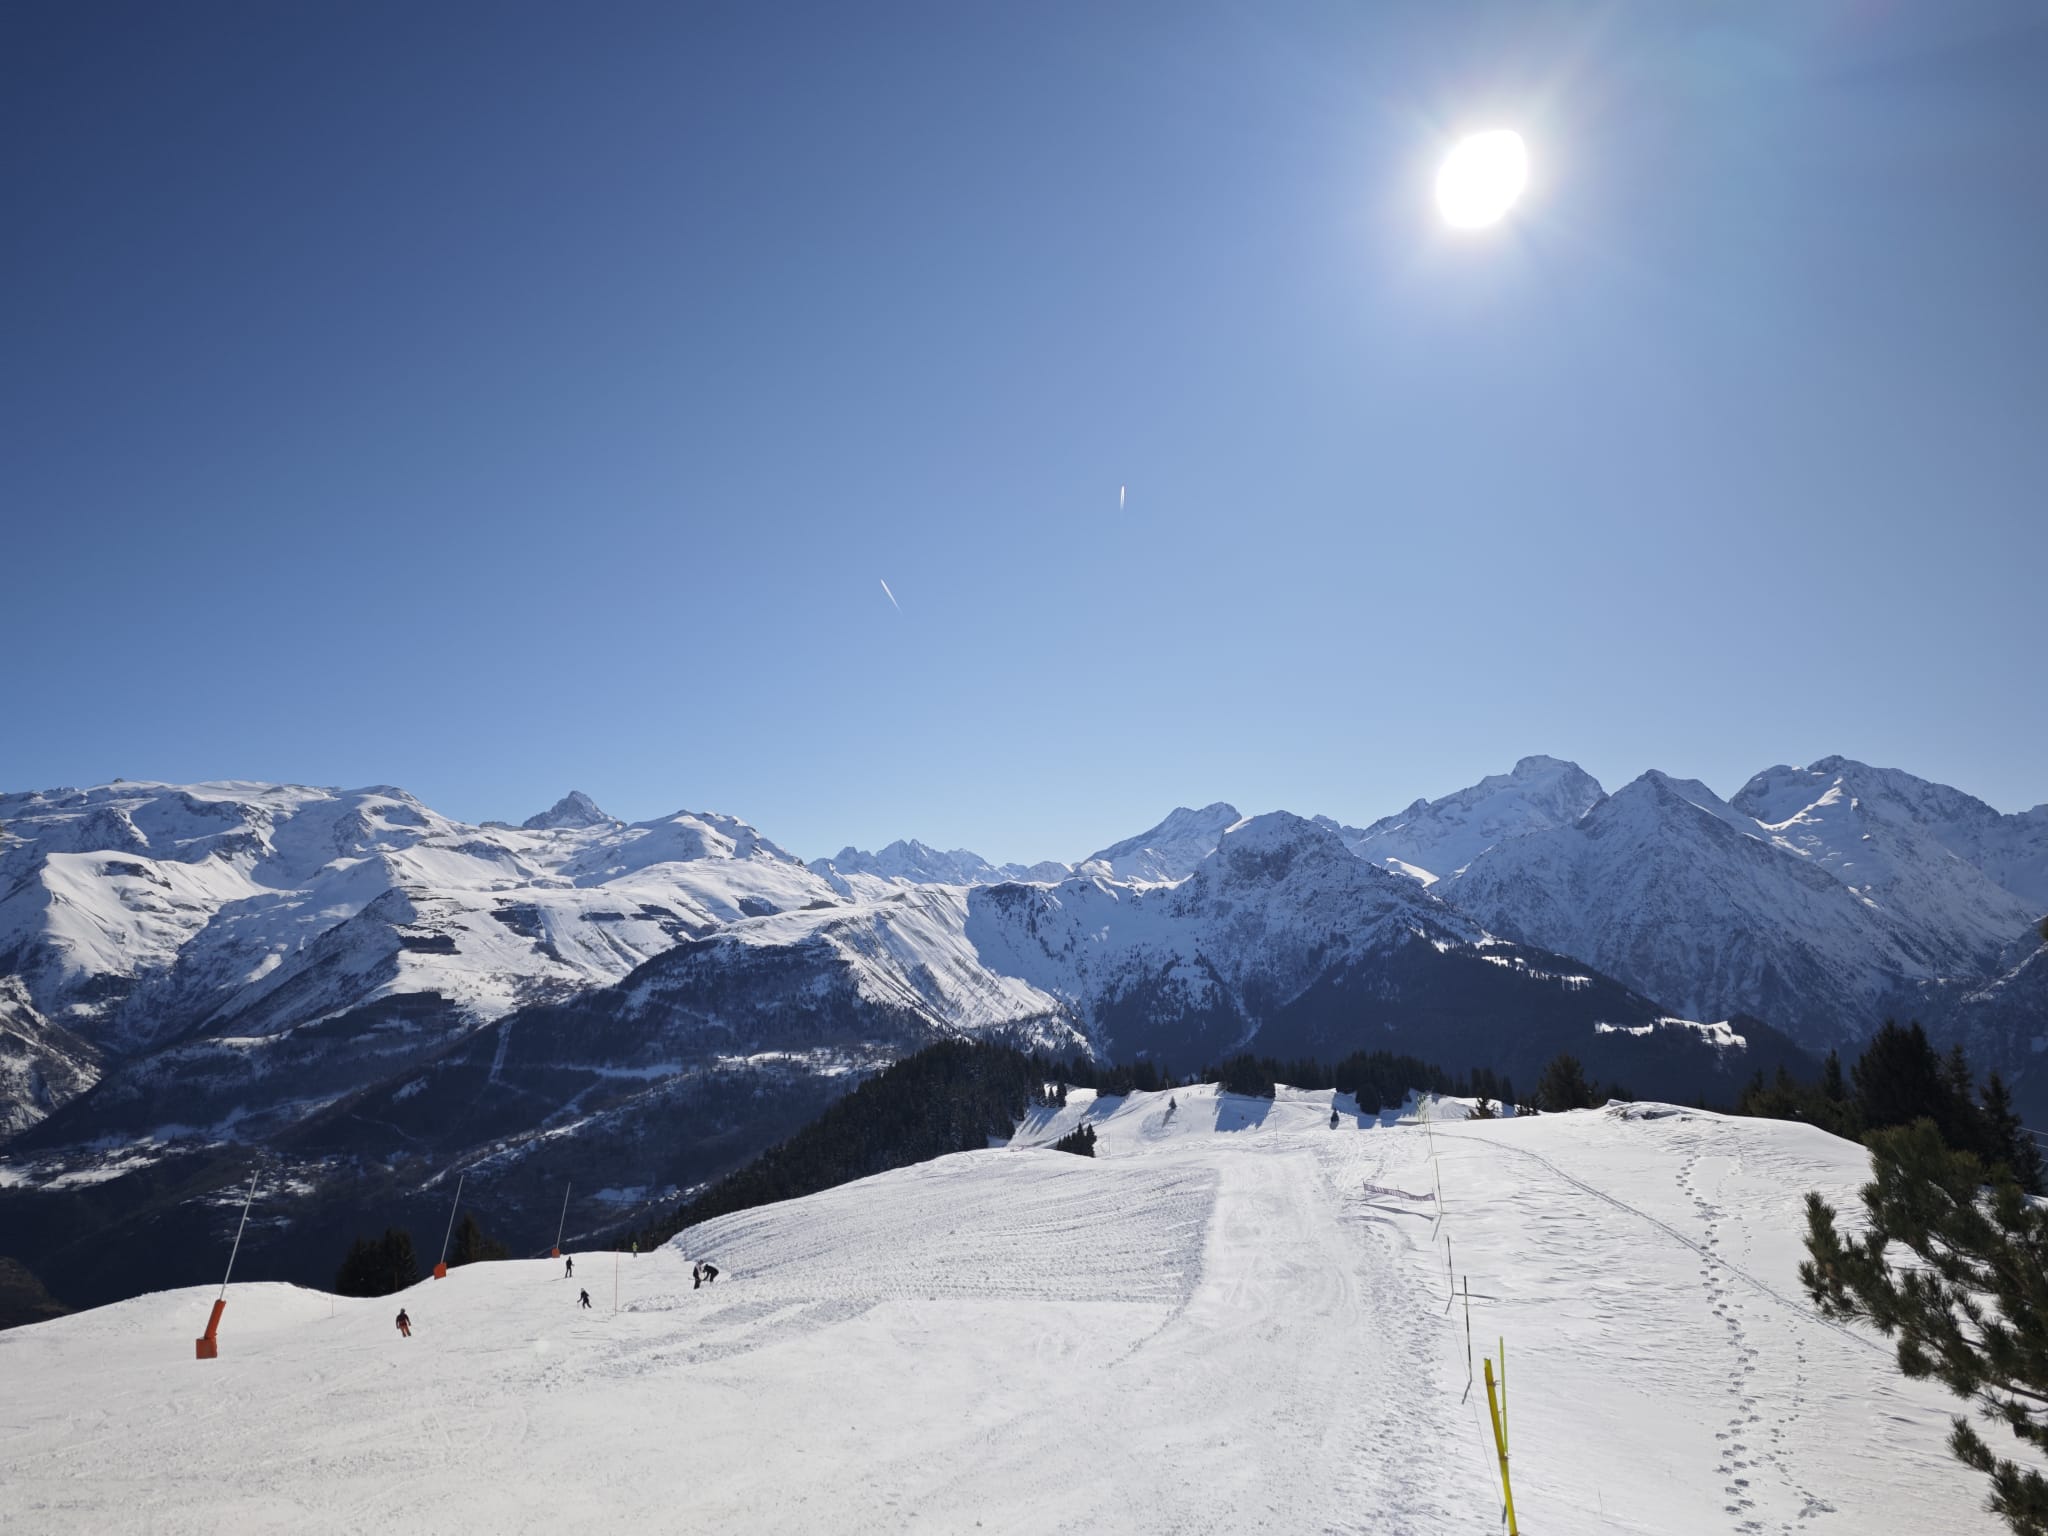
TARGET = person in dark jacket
x,y
404,1323
703,1274
568,1269
585,1298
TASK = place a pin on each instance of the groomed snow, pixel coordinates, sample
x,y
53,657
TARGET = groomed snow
x,y
1234,1318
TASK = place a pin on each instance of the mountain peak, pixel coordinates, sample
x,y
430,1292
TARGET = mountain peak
x,y
575,809
1433,839
1171,850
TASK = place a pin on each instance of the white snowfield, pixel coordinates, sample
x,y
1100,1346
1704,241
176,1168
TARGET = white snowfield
x,y
1233,1319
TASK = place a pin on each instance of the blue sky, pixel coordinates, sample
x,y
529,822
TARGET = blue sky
x,y
494,399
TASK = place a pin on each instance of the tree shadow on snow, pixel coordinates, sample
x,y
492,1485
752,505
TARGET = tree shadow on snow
x,y
1241,1112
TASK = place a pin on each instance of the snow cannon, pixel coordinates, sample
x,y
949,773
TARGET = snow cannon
x,y
207,1346
441,1264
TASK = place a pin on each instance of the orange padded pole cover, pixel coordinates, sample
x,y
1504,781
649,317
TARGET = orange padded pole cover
x,y
440,1271
208,1345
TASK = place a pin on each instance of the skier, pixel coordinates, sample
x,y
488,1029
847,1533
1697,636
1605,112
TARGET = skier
x,y
636,1247
568,1269
585,1297
703,1274
404,1323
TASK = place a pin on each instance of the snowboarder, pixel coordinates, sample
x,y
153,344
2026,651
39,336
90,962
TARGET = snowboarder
x,y
404,1324
568,1269
584,1297
703,1274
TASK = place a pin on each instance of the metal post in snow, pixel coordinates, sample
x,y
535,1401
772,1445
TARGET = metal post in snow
x,y
1468,1330
246,1202
562,1225
441,1268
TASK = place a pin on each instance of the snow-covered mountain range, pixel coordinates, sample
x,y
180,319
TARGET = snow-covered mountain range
x,y
856,872
1822,899
332,974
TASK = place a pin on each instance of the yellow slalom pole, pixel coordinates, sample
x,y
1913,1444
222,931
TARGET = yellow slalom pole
x,y
1501,1445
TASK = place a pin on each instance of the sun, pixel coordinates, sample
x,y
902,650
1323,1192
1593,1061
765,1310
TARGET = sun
x,y
1481,178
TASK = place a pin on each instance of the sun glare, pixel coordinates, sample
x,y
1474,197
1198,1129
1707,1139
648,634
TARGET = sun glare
x,y
1481,178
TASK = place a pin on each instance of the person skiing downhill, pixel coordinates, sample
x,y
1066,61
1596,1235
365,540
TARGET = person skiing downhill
x,y
585,1298
404,1323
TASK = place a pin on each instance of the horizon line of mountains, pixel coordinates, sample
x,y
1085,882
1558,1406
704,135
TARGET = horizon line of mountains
x,y
367,993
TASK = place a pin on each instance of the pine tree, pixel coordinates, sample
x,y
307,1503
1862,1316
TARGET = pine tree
x,y
1564,1085
1898,1078
2008,1141
1972,1312
1959,1087
1484,1110
1080,1141
378,1266
356,1277
471,1244
1831,1085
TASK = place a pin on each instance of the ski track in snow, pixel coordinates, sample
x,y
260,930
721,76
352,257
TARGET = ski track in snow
x,y
1234,1319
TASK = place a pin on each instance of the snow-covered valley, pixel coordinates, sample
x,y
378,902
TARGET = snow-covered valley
x,y
1235,1317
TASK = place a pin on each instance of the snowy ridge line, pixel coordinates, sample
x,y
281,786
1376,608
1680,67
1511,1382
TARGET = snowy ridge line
x,y
1711,1257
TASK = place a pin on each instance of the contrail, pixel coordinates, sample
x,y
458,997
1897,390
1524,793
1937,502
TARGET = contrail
x,y
891,596
1120,497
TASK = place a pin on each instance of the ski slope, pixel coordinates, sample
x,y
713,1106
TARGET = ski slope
x,y
1233,1319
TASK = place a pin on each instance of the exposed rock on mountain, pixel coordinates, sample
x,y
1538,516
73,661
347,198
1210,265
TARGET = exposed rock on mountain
x,y
41,1064
575,809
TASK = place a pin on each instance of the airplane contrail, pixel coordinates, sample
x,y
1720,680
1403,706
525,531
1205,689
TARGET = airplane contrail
x,y
891,596
1120,497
